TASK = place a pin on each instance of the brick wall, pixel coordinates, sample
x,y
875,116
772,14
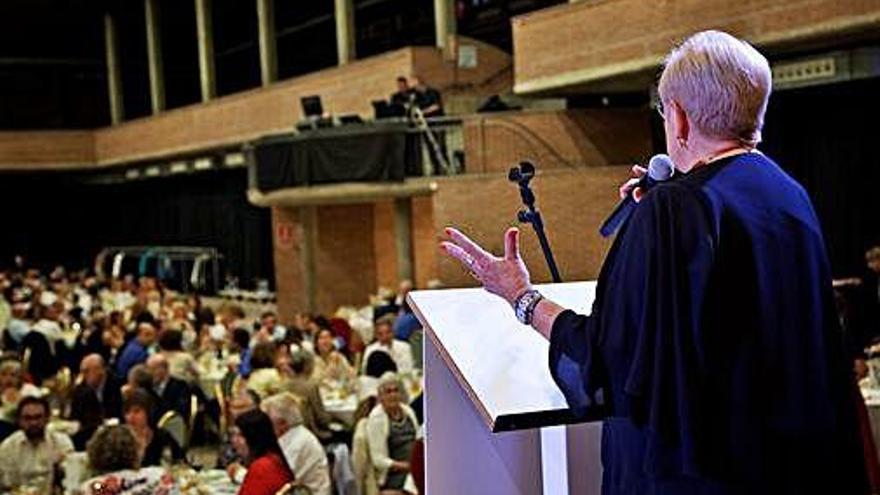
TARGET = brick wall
x,y
355,249
495,142
46,149
237,118
573,203
572,44
345,259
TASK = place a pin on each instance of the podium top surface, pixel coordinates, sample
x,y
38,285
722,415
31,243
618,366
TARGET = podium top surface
x,y
500,363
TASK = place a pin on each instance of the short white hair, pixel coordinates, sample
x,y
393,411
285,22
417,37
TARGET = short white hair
x,y
285,407
722,83
391,378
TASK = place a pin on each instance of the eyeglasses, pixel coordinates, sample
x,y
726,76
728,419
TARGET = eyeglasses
x,y
660,108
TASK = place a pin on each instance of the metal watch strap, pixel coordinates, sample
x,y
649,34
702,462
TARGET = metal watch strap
x,y
524,306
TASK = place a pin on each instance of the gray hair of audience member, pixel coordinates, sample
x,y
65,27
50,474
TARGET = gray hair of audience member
x,y
389,379
112,448
302,362
140,376
722,82
284,408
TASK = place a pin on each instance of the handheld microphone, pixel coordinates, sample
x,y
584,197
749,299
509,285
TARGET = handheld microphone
x,y
660,168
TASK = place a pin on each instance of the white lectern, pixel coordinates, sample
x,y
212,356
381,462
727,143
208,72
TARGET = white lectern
x,y
495,422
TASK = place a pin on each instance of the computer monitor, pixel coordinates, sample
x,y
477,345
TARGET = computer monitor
x,y
311,106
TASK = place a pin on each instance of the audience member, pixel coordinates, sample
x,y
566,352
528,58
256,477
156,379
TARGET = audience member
x,y
330,364
96,398
315,415
154,444
137,350
113,456
264,378
301,448
181,364
392,429
173,394
31,457
399,350
268,470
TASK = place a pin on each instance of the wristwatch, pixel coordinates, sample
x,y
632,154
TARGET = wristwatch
x,y
524,306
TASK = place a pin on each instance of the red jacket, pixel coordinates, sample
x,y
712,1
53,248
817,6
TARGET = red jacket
x,y
265,476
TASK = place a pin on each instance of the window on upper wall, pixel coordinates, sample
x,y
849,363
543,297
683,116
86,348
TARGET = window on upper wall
x,y
385,25
236,45
51,65
180,52
489,20
131,37
306,37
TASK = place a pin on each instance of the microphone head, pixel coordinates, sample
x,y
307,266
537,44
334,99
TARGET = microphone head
x,y
660,167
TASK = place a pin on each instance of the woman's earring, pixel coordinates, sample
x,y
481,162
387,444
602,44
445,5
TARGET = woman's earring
x,y
682,143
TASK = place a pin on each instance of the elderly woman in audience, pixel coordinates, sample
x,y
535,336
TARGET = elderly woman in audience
x,y
113,455
392,429
331,366
255,441
305,388
139,411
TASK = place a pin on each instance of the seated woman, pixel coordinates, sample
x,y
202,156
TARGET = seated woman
x,y
255,441
12,389
153,442
113,455
392,429
331,366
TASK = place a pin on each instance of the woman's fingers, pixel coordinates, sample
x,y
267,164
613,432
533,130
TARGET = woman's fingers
x,y
465,243
458,253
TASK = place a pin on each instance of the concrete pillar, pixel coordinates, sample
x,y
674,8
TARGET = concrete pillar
x,y
154,56
268,56
205,39
403,238
345,39
114,76
444,22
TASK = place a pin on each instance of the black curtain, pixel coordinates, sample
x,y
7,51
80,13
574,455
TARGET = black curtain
x,y
60,218
826,137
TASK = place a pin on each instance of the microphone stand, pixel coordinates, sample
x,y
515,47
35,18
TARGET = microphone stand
x,y
522,175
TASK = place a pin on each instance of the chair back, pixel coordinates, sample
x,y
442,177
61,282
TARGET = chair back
x,y
193,414
220,395
175,425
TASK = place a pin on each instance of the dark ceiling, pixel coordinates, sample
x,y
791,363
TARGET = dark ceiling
x,y
53,75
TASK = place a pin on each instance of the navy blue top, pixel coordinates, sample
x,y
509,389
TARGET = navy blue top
x,y
133,353
713,343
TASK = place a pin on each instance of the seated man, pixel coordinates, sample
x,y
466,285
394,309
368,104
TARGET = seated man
x,y
31,456
96,398
400,351
301,448
136,351
172,394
